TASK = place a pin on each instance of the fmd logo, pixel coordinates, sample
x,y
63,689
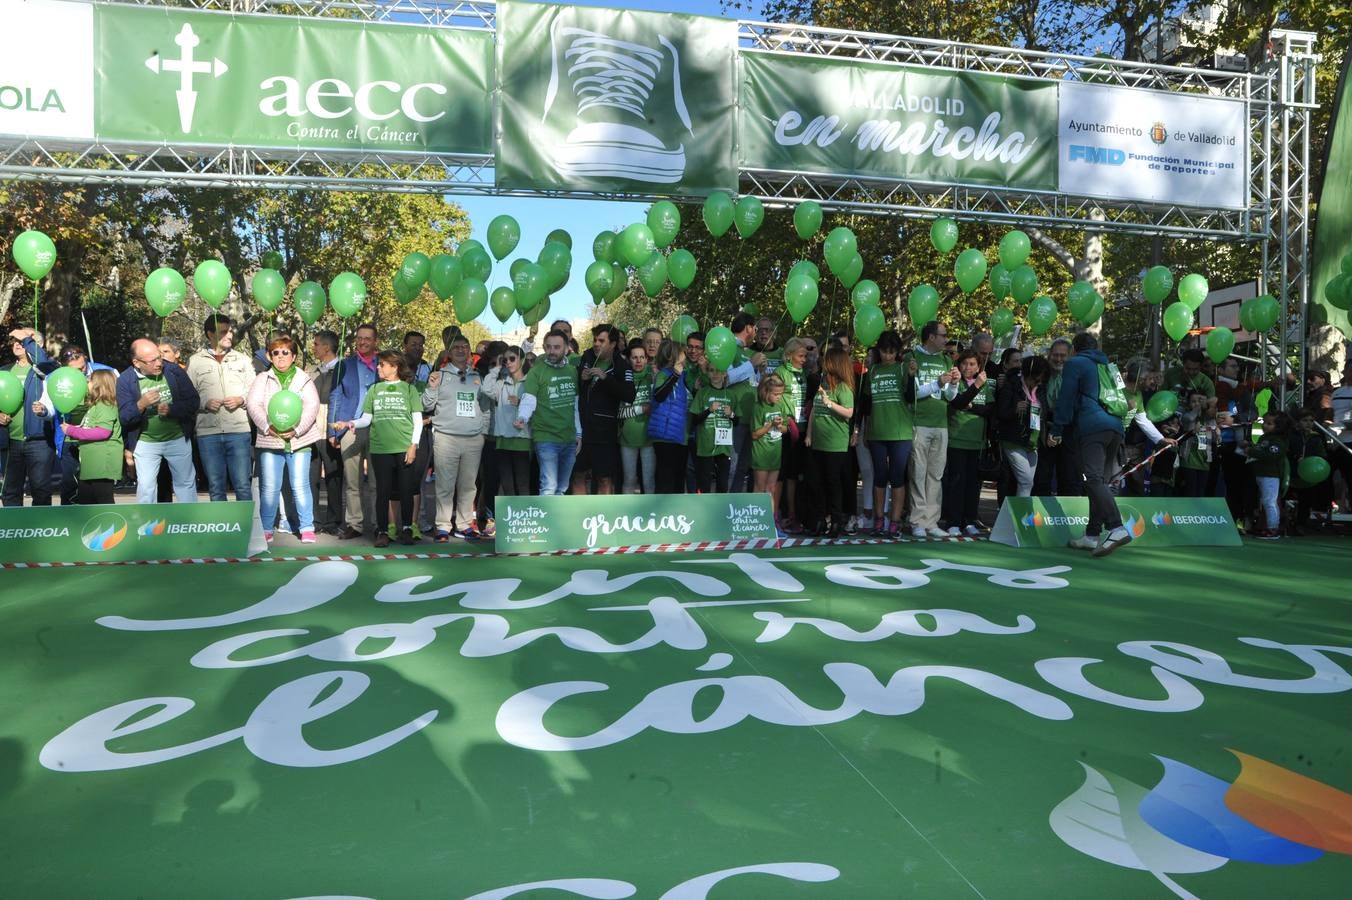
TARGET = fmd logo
x,y
1099,156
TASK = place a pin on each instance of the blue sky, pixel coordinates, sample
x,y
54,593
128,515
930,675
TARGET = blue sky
x,y
582,218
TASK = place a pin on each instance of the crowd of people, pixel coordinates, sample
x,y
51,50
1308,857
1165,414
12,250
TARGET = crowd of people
x,y
890,442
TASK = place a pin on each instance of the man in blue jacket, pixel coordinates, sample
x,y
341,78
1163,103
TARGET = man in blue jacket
x,y
1098,434
32,446
158,408
353,376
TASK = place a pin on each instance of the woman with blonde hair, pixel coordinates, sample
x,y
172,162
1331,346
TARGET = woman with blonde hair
x,y
828,436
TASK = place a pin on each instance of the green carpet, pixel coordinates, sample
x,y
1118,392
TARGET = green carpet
x,y
925,720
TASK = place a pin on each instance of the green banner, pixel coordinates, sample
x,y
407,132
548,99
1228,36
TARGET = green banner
x,y
1333,227
614,100
849,117
266,81
538,524
1152,521
123,532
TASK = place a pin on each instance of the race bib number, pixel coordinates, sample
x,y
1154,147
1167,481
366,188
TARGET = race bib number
x,y
798,412
465,405
774,434
722,435
1034,418
1117,378
1204,444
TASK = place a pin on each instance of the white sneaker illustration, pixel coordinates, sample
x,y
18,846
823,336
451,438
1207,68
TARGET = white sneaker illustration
x,y
613,81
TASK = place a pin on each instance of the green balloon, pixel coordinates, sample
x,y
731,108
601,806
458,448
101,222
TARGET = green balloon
x,y
1162,405
404,292
447,271
557,261
1338,292
504,233
806,267
35,253
1014,249
636,244
751,309
1346,264
273,260
807,219
268,288
721,347
212,280
800,297
503,303
517,265
619,281
67,388
840,247
1023,284
866,293
471,297
1219,342
1192,290
1092,314
598,278
531,286
1313,469
475,263
749,215
681,269
999,279
284,410
308,299
1266,311
166,290
536,313
849,274
11,393
664,221
467,246
1080,300
1157,284
415,268
560,236
653,274
603,248
1041,315
1177,320
682,328
347,294
922,305
970,269
1002,321
1246,315
718,213
869,322
944,235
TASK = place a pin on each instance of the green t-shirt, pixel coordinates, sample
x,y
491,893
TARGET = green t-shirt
x,y
795,391
101,459
1176,381
767,450
831,431
634,416
159,429
889,417
555,392
774,358
16,422
1200,450
392,405
285,378
743,401
714,437
966,429
932,411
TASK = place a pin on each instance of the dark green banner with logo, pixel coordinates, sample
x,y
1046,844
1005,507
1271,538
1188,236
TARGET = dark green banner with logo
x,y
1333,228
125,532
1155,522
614,100
540,524
266,81
845,116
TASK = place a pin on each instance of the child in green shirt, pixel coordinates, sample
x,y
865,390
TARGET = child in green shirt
x,y
771,419
713,413
1268,458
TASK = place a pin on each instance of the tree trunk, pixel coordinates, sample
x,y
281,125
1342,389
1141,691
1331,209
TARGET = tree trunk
x,y
1088,267
1327,349
58,298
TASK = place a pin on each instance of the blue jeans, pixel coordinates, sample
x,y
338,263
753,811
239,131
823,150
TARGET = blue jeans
x,y
297,466
227,454
556,466
177,454
32,461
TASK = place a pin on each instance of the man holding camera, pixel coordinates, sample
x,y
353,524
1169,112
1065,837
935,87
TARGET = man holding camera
x,y
459,420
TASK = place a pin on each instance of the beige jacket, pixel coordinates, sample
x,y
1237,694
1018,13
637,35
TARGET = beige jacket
x,y
232,377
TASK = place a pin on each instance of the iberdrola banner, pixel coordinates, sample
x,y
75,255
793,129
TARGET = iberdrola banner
x,y
848,117
1152,521
543,524
126,532
614,100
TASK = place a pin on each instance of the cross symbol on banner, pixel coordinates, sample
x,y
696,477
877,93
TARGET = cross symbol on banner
x,y
186,67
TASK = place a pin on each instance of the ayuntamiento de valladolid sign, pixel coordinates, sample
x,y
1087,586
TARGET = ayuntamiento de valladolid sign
x,y
592,99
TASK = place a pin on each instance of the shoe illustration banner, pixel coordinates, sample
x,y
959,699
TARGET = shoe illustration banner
x,y
614,100
850,117
273,82
1155,522
123,532
542,524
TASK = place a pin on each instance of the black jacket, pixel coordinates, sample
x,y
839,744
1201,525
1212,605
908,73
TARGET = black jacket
x,y
599,399
1009,424
183,407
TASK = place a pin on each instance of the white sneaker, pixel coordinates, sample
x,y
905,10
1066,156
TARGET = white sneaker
x,y
1116,538
972,531
936,533
918,533
1084,542
955,531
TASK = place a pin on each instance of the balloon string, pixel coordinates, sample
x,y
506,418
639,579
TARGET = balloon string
x,y
35,304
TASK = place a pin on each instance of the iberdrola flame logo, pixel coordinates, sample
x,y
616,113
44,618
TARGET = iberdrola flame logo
x,y
153,528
